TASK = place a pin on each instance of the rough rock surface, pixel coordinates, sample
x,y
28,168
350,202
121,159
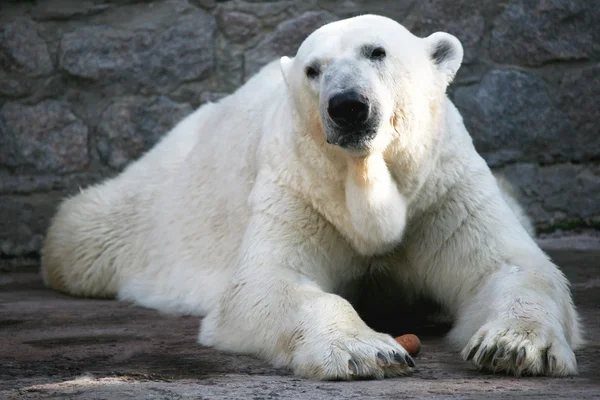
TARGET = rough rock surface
x,y
157,59
238,26
23,56
578,96
533,32
543,192
23,220
46,137
535,125
131,126
22,50
86,86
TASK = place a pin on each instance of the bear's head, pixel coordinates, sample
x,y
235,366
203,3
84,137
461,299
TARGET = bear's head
x,y
367,81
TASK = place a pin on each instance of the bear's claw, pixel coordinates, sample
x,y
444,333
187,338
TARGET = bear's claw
x,y
382,360
520,350
353,367
399,359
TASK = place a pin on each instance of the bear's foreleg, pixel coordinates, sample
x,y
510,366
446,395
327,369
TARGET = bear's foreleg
x,y
513,307
277,306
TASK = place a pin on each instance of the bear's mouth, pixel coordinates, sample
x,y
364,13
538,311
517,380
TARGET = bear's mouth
x,y
352,140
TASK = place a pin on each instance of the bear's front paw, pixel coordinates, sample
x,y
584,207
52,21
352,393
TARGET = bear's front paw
x,y
359,355
521,348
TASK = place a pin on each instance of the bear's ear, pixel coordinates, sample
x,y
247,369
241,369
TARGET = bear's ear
x,y
446,52
286,65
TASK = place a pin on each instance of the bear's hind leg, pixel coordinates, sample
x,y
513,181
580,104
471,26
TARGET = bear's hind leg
x,y
90,235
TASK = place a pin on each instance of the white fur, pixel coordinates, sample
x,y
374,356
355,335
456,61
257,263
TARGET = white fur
x,y
244,214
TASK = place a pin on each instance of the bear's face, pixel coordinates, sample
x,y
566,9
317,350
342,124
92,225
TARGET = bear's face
x,y
367,81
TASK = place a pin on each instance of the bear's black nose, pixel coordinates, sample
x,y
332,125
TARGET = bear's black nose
x,y
348,109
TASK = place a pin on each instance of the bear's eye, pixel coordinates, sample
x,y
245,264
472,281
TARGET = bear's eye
x,y
311,72
378,53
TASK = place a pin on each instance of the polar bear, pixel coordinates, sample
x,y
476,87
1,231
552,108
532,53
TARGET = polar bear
x,y
265,211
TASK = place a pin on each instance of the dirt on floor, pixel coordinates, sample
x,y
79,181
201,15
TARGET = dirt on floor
x,y
55,346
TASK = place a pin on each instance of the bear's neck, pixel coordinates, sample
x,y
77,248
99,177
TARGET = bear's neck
x,y
412,158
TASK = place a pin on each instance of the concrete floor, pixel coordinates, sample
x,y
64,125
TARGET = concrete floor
x,y
54,346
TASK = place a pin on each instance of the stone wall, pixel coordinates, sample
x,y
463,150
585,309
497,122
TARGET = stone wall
x,y
88,85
